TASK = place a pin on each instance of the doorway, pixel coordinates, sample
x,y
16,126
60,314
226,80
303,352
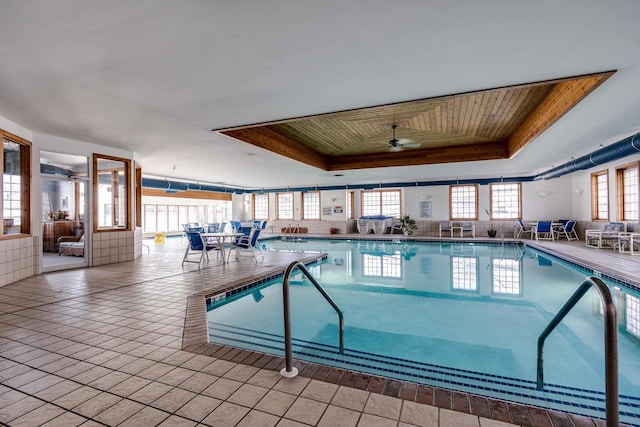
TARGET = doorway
x,y
65,183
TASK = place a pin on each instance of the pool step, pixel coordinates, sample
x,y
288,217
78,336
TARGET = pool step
x,y
585,402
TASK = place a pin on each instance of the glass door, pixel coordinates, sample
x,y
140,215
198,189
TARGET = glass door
x,y
65,185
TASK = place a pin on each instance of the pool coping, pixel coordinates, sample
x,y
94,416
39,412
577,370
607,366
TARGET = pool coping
x,y
195,340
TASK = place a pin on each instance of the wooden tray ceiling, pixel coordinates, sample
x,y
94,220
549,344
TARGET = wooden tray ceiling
x,y
483,125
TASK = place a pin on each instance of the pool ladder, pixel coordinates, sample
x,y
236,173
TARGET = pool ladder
x,y
289,370
610,344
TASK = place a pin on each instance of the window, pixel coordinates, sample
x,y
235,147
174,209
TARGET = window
x,y
506,276
464,273
284,201
350,205
311,205
506,201
381,202
627,186
16,175
600,196
260,206
112,183
463,202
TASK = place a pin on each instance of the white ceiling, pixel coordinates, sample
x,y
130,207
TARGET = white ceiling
x,y
155,76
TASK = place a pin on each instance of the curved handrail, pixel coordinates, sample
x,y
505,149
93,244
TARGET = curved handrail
x,y
289,370
610,344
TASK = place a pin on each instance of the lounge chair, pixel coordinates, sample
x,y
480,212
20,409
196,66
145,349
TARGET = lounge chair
x,y
247,243
71,245
544,231
445,226
605,238
629,243
567,230
522,229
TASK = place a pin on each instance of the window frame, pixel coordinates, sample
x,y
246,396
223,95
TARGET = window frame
x,y
622,198
127,198
497,184
475,217
253,206
278,212
351,214
595,196
305,215
25,186
381,204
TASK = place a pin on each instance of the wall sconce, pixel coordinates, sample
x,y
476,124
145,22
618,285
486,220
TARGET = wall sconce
x,y
543,193
578,191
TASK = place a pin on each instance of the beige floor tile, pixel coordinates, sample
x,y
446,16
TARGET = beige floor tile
x,y
67,419
276,402
198,382
38,416
108,381
136,366
24,378
41,383
383,406
350,398
150,392
369,420
173,400
119,412
449,418
176,376
60,389
306,410
129,386
19,408
318,390
256,418
197,363
241,373
219,367
265,378
91,374
222,388
76,397
292,385
156,371
290,423
419,414
335,416
248,395
198,408
226,415
97,404
485,422
174,421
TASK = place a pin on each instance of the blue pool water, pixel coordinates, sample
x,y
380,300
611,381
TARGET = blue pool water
x,y
457,315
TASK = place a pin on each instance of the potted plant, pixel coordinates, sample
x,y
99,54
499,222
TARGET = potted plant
x,y
492,230
408,225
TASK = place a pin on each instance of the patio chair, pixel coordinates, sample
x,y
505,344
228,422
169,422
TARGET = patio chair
x,y
196,246
629,243
212,228
247,243
523,229
222,227
467,227
445,226
544,231
568,231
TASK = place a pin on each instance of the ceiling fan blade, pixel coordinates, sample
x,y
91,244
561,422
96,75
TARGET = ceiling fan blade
x,y
395,148
411,144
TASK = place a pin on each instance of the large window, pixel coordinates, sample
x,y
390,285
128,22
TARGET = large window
x,y
381,202
261,206
506,201
111,186
627,187
16,174
284,202
463,200
311,205
350,205
600,196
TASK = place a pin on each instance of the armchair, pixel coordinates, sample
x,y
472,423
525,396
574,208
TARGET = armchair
x,y
605,238
71,245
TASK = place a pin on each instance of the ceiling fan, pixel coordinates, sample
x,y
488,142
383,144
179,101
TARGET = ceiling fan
x,y
402,143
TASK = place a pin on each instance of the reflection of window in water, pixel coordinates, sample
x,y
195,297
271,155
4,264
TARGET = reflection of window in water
x,y
506,276
464,273
382,266
633,315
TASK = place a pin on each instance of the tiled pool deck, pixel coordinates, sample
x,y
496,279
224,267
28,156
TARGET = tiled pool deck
x,y
125,344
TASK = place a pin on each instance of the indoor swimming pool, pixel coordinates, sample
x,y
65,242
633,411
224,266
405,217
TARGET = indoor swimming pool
x,y
460,316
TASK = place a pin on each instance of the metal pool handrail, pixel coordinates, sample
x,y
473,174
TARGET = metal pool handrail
x,y
610,344
289,370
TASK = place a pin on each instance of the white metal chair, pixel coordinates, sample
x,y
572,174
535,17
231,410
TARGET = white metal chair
x,y
447,227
